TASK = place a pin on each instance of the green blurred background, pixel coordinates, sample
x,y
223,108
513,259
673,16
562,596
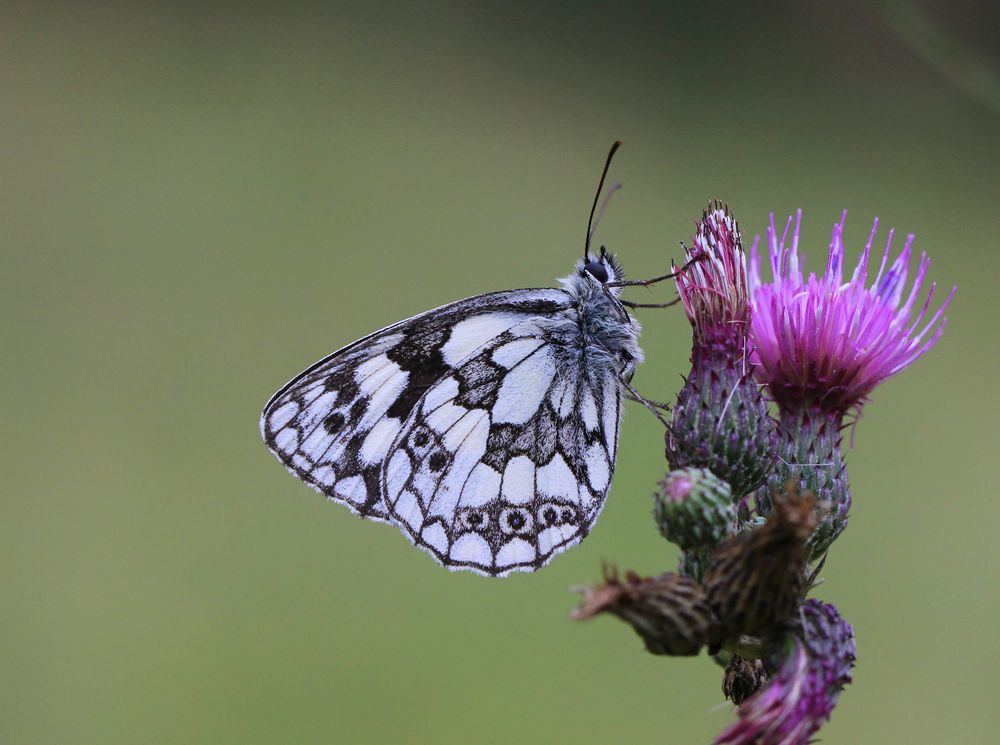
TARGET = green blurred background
x,y
200,200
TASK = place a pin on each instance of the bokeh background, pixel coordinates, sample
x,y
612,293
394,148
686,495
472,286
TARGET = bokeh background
x,y
199,200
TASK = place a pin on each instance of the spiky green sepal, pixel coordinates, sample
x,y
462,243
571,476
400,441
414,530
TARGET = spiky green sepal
x,y
809,446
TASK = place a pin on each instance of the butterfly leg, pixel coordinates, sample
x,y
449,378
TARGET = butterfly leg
x,y
630,304
654,280
654,407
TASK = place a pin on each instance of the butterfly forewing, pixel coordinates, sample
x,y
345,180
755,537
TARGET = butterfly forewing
x,y
333,425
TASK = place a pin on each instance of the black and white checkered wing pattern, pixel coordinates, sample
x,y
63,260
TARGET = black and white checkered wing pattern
x,y
333,425
507,459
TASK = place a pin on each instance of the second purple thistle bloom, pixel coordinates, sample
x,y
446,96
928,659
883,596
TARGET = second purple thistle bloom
x,y
820,341
822,344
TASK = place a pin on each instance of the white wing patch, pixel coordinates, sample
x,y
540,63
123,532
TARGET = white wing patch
x,y
555,480
377,441
510,354
518,481
472,333
524,386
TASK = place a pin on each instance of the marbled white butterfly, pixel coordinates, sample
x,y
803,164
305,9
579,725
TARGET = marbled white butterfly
x,y
486,430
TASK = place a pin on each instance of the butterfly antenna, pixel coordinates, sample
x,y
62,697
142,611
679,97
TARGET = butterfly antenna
x,y
600,210
597,197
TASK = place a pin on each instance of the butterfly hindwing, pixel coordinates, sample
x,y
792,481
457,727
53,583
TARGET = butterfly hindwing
x,y
507,459
332,425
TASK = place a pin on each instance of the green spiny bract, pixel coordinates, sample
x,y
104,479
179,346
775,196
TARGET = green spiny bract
x,y
720,420
812,460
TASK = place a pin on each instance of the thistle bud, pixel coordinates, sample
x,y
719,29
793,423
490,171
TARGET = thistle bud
x,y
829,640
668,612
810,672
694,509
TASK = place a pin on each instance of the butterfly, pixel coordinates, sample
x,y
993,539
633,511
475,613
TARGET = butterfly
x,y
486,430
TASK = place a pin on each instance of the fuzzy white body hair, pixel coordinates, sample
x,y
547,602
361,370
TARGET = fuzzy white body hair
x,y
601,327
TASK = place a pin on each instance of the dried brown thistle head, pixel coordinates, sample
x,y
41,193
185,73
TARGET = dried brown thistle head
x,y
669,612
757,578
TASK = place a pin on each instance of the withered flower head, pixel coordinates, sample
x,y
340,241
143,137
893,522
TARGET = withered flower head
x,y
757,578
669,612
743,678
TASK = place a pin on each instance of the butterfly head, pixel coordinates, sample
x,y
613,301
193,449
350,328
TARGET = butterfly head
x,y
594,280
601,269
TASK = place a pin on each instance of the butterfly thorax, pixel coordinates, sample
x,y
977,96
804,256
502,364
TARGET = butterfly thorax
x,y
603,324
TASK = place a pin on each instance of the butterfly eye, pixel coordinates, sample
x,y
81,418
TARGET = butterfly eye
x,y
597,271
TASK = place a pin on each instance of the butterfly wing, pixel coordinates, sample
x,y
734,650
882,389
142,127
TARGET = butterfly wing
x,y
507,459
333,425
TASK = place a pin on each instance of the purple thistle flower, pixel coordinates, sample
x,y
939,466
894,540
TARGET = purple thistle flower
x,y
801,695
720,421
714,291
822,345
820,341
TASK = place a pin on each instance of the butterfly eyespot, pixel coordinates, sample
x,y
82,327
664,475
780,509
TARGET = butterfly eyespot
x,y
420,439
548,515
596,270
474,520
515,520
568,515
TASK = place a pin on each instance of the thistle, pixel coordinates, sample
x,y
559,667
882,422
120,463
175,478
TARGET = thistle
x,y
668,612
822,345
720,420
751,506
812,669
694,509
757,578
